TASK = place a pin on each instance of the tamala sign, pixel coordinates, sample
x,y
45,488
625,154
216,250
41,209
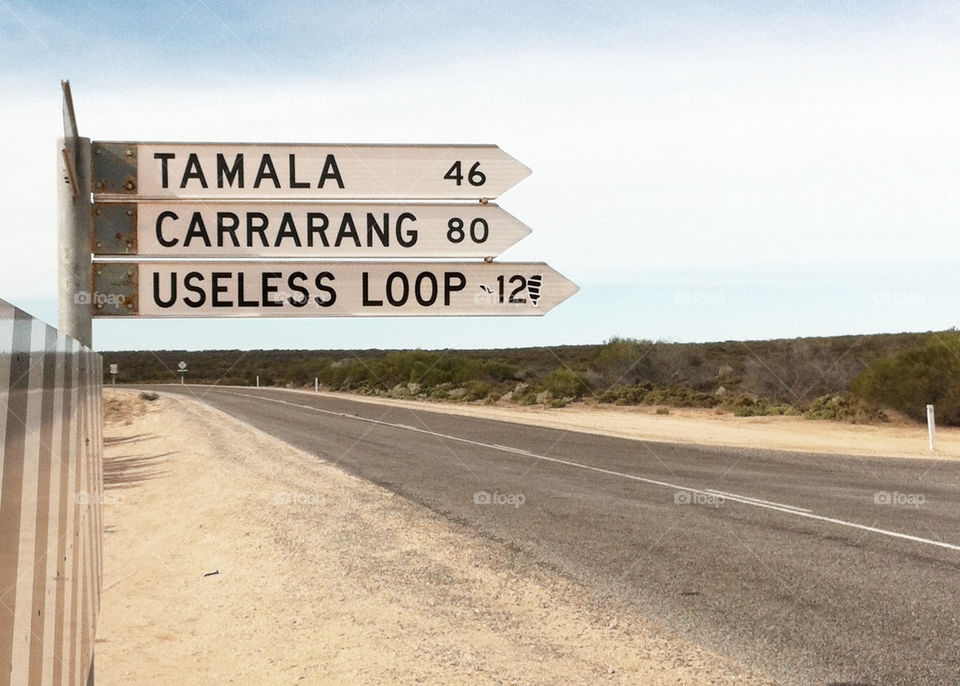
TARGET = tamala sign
x,y
246,171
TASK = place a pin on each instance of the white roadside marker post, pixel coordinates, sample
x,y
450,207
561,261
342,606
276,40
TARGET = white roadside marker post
x,y
931,429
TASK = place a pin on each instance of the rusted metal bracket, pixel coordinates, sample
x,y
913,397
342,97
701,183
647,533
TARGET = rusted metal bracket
x,y
114,289
114,229
114,169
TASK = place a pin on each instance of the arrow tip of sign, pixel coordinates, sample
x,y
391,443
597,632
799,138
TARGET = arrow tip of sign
x,y
564,286
524,171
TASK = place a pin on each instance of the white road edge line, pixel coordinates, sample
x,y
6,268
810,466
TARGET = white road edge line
x,y
757,500
746,500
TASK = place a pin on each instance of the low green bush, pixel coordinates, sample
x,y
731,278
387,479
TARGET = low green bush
x,y
909,381
626,395
842,408
748,406
679,396
564,383
646,393
476,390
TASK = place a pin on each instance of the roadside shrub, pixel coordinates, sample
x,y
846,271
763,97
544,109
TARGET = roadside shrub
x,y
842,408
647,393
783,410
498,371
679,396
149,396
748,406
563,383
626,395
623,360
476,390
910,380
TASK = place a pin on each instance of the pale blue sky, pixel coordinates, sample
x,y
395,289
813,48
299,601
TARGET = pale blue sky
x,y
702,170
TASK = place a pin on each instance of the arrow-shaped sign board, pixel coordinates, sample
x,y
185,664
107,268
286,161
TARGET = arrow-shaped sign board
x,y
318,172
313,289
303,229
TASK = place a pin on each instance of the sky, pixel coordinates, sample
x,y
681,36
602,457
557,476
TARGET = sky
x,y
703,171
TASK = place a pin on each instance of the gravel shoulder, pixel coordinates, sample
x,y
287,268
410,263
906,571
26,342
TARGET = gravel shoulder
x,y
231,557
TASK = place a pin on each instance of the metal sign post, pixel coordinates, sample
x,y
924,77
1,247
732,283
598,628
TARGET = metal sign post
x,y
182,370
74,228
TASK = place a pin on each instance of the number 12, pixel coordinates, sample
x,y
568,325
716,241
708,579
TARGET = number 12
x,y
516,278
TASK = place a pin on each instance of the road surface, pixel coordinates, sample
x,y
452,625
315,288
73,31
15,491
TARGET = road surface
x,y
818,569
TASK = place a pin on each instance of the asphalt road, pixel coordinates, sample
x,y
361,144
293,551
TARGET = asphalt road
x,y
818,569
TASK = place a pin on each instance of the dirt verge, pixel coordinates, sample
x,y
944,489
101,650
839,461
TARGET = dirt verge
x,y
230,557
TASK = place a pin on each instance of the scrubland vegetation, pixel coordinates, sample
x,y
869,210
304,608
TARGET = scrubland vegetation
x,y
847,378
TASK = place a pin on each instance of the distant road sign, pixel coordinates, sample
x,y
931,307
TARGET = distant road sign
x,y
303,229
257,171
311,289
114,369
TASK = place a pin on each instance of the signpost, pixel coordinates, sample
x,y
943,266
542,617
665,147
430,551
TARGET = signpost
x,y
113,373
186,202
271,229
73,222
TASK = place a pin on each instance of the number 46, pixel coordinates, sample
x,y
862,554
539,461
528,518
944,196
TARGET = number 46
x,y
475,177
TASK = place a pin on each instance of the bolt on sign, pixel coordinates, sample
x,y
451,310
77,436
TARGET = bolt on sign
x,y
178,213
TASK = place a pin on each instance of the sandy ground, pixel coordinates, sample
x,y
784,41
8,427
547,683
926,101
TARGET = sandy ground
x,y
899,438
230,557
